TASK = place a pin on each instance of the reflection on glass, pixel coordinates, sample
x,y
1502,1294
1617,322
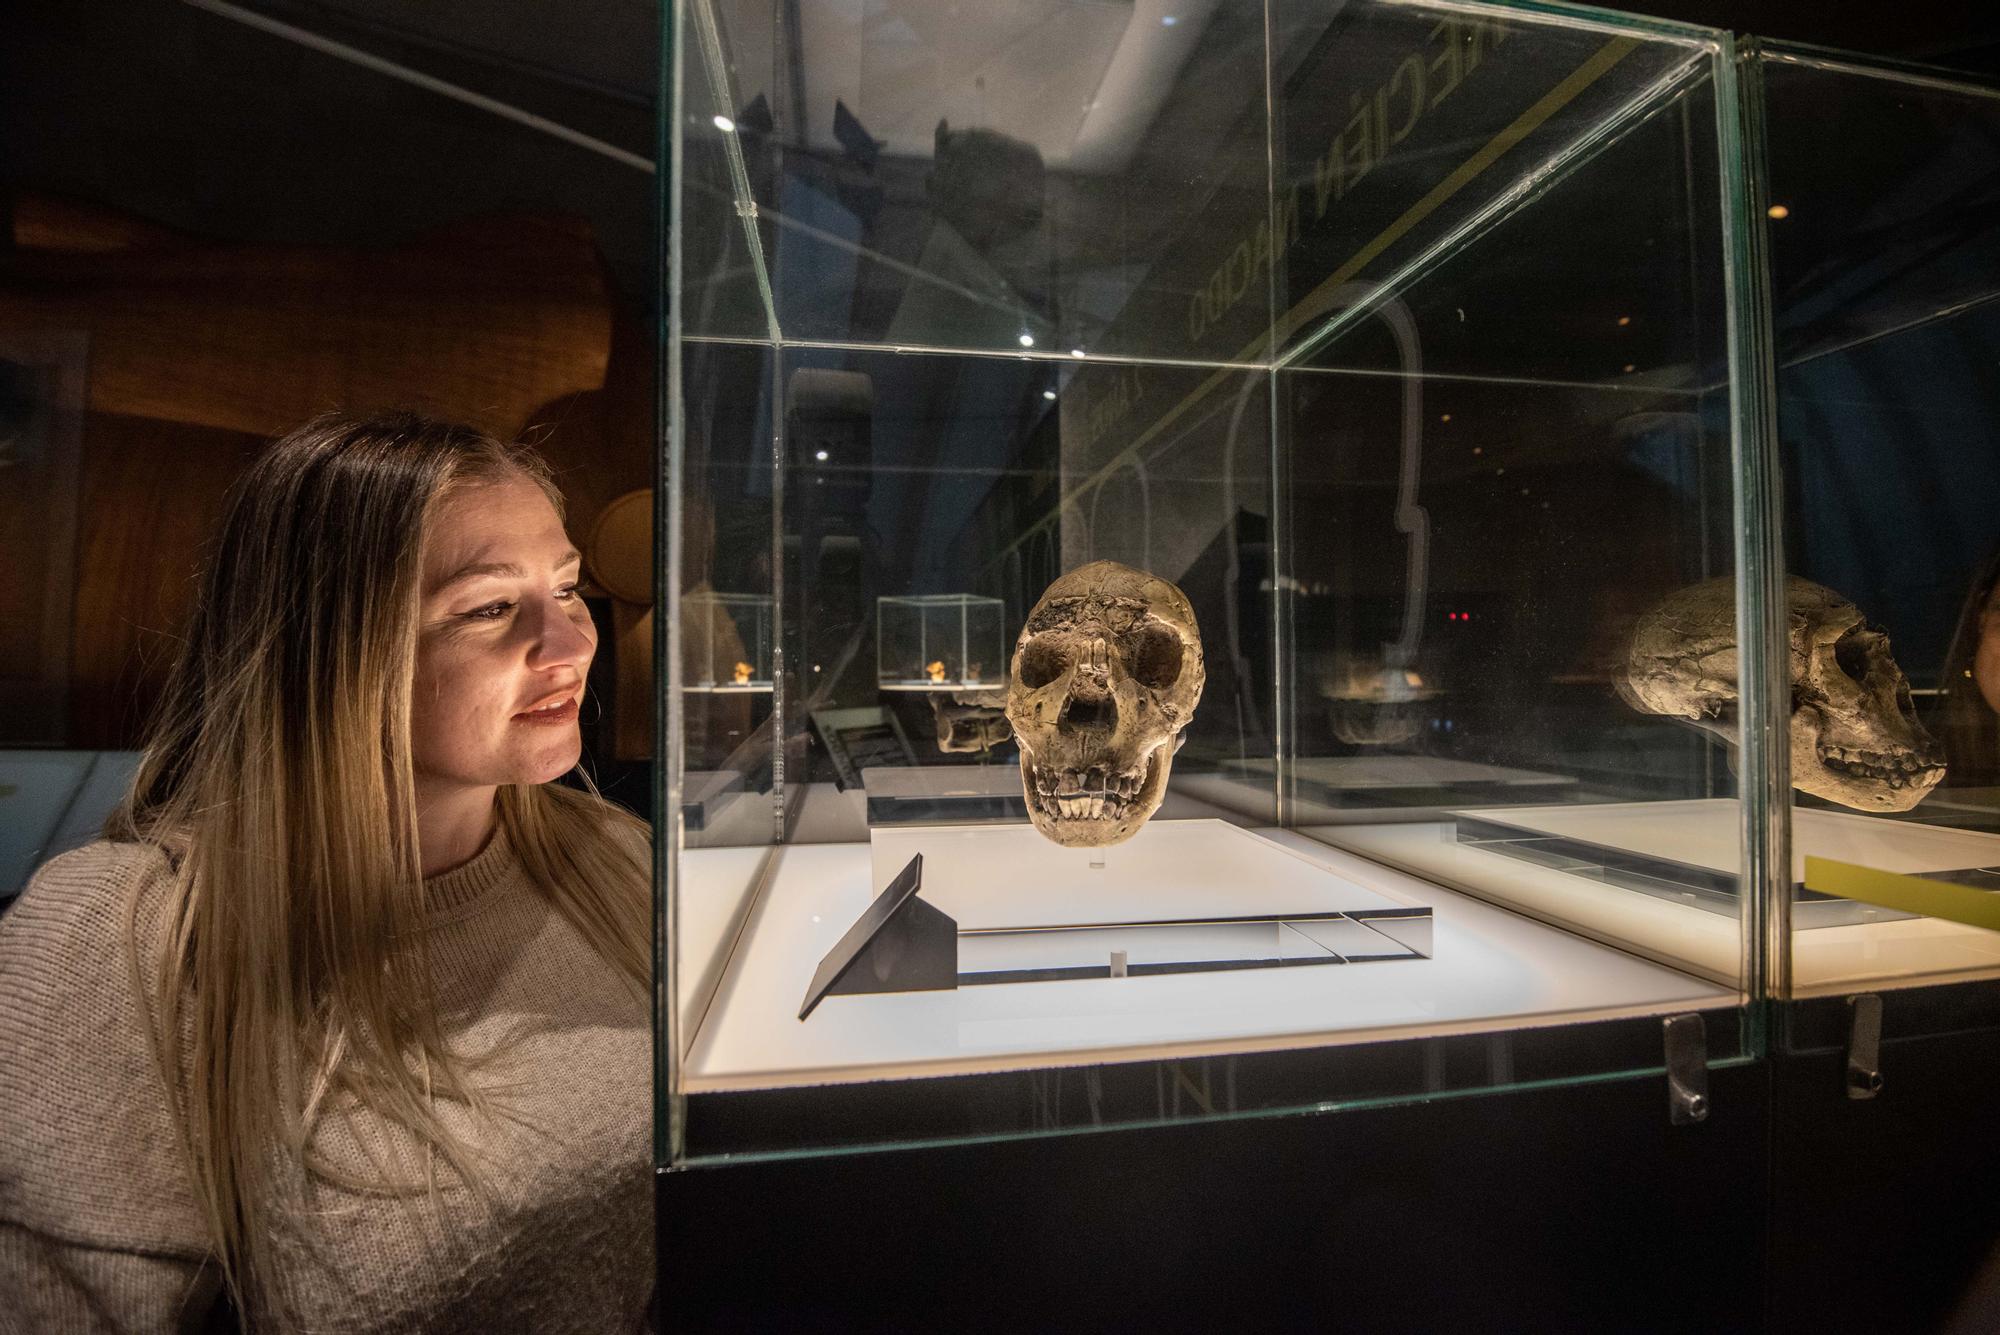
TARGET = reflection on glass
x,y
1969,687
940,642
1882,305
1395,339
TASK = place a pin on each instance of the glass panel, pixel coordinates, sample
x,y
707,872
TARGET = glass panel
x,y
1385,732
1407,131
1882,186
1511,489
1009,176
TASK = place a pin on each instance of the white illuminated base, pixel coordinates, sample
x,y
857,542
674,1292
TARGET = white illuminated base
x,y
922,783
730,688
1368,772
1709,833
1491,970
1001,876
1705,833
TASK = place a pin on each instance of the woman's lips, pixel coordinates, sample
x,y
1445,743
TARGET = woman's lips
x,y
556,714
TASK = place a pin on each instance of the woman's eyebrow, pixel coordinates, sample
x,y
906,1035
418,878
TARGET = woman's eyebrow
x,y
503,569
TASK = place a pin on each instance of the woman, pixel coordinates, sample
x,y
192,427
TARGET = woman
x,y
343,1024
1969,723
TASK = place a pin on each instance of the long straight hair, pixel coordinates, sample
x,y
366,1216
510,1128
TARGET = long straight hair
x,y
289,977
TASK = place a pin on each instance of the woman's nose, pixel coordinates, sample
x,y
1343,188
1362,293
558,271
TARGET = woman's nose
x,y
563,635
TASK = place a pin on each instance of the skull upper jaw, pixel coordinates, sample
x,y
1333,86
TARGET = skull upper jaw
x,y
1867,772
1095,818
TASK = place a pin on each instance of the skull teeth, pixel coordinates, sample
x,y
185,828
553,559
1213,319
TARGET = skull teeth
x,y
1897,769
1087,793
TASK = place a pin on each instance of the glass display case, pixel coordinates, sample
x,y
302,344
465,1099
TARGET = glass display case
x,y
940,642
1395,358
727,637
1879,186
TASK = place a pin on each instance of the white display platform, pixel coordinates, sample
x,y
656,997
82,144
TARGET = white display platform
x,y
1000,876
1679,934
908,783
1885,952
717,888
1708,834
1491,970
1365,772
705,792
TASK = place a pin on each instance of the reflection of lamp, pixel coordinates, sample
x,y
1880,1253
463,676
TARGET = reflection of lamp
x,y
935,669
1371,705
741,673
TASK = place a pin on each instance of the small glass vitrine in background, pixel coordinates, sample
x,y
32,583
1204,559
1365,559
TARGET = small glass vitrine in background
x,y
727,637
941,642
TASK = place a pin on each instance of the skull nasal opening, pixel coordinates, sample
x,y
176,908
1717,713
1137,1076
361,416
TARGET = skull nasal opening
x,y
1099,714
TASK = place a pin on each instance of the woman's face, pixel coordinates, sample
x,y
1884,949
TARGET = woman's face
x,y
505,642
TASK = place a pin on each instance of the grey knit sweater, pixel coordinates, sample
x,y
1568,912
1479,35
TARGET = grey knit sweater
x,y
98,1226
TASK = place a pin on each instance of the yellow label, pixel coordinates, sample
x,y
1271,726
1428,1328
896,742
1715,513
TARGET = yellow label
x,y
1910,894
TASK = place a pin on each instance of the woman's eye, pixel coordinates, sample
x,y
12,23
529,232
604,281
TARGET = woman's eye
x,y
566,592
490,612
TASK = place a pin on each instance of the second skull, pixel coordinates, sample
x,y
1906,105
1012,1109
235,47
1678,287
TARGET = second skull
x,y
1855,737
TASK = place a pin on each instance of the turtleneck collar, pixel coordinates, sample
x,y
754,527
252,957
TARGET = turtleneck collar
x,y
464,884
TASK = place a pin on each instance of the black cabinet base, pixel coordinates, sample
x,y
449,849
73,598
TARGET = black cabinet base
x,y
1575,1209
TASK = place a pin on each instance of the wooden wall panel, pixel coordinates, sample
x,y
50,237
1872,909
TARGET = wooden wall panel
x,y
485,322
152,493
201,352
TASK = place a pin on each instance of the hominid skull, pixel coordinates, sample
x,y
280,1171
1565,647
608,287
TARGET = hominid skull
x,y
1106,673
1855,735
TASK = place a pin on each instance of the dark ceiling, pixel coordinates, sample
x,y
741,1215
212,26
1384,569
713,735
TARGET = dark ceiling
x,y
194,118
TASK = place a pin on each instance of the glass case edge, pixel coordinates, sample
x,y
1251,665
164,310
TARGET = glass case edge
x,y
1284,703
1322,1108
669,1104
1765,755
709,34
955,350
1587,18
1871,66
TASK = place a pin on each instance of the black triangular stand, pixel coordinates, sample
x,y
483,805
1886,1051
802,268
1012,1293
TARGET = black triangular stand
x,y
901,944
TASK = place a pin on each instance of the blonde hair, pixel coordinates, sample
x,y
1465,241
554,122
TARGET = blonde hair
x,y
278,779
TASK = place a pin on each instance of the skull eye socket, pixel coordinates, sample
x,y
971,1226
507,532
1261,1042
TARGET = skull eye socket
x,y
1850,651
1154,655
1042,661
